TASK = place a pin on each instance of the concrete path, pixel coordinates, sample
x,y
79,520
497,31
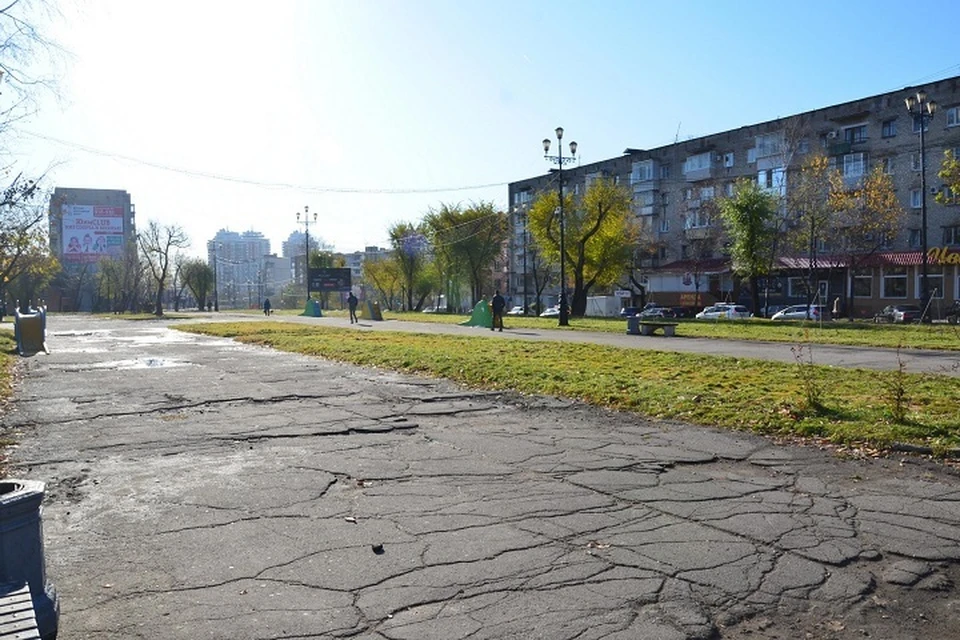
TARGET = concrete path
x,y
198,488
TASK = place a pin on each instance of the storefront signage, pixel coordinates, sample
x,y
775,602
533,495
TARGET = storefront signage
x,y
943,255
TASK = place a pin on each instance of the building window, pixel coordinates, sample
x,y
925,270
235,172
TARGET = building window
x,y
934,282
915,162
888,129
616,180
953,116
662,253
728,159
697,163
862,283
687,193
951,235
664,171
803,146
915,198
889,165
751,155
706,193
895,282
854,165
683,252
797,287
855,134
664,224
728,189
769,144
916,124
642,172
913,238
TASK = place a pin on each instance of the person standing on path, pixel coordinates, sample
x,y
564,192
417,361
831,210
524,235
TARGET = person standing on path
x,y
352,303
497,304
267,309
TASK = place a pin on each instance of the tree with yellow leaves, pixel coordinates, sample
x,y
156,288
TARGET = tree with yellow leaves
x,y
600,234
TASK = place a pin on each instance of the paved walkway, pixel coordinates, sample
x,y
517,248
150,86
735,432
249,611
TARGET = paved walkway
x,y
198,488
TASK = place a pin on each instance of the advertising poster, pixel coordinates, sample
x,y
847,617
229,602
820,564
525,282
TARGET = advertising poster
x,y
91,232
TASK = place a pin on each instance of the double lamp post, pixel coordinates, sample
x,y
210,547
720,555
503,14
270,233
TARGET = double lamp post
x,y
922,111
561,160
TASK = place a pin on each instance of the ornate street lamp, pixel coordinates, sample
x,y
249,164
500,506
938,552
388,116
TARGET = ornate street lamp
x,y
560,160
922,111
306,256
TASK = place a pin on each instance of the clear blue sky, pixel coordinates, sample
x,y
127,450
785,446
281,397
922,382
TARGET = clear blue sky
x,y
346,101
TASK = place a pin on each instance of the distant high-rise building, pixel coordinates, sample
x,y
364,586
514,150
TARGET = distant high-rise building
x,y
239,261
87,226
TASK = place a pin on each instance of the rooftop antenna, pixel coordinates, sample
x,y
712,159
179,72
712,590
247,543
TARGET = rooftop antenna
x,y
676,138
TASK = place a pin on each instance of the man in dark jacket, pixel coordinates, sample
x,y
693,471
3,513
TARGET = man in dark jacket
x,y
497,305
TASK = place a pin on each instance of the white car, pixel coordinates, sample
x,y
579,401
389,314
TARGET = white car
x,y
516,311
551,312
799,312
725,312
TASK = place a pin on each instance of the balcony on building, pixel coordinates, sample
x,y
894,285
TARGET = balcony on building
x,y
700,166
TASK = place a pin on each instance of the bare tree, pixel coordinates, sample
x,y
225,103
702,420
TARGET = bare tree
x,y
157,242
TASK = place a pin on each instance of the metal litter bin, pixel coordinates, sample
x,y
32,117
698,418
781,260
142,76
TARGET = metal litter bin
x,y
21,549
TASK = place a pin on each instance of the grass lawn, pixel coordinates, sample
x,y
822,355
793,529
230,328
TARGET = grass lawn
x,y
844,406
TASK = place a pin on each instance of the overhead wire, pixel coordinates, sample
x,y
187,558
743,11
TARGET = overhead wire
x,y
261,183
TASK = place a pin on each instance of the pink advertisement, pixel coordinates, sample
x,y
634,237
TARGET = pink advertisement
x,y
91,232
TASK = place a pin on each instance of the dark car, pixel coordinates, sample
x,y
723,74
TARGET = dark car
x,y
658,312
899,313
629,312
953,312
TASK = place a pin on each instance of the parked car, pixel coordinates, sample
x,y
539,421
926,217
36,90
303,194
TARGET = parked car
x,y
724,311
551,312
516,311
658,312
684,312
899,313
629,312
800,312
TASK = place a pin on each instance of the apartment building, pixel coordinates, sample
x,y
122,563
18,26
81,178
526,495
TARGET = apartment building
x,y
683,261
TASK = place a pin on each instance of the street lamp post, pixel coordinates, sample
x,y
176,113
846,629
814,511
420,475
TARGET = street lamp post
x,y
560,160
306,256
526,301
922,110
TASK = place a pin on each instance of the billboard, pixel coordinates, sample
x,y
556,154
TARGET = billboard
x,y
329,279
91,232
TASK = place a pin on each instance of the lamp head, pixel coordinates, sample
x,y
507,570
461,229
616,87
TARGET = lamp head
x,y
921,96
559,133
932,107
573,148
546,146
911,102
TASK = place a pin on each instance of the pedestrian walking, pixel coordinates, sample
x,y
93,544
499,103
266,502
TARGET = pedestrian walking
x,y
267,309
352,304
497,305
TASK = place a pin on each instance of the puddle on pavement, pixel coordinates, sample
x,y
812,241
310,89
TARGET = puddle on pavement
x,y
138,363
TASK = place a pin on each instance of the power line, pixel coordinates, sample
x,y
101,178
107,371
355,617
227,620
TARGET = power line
x,y
258,183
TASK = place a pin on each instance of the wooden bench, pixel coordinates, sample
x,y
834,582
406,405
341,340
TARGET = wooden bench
x,y
637,326
17,619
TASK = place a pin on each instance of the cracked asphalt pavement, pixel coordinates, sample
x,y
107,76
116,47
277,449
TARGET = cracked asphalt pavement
x,y
199,488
